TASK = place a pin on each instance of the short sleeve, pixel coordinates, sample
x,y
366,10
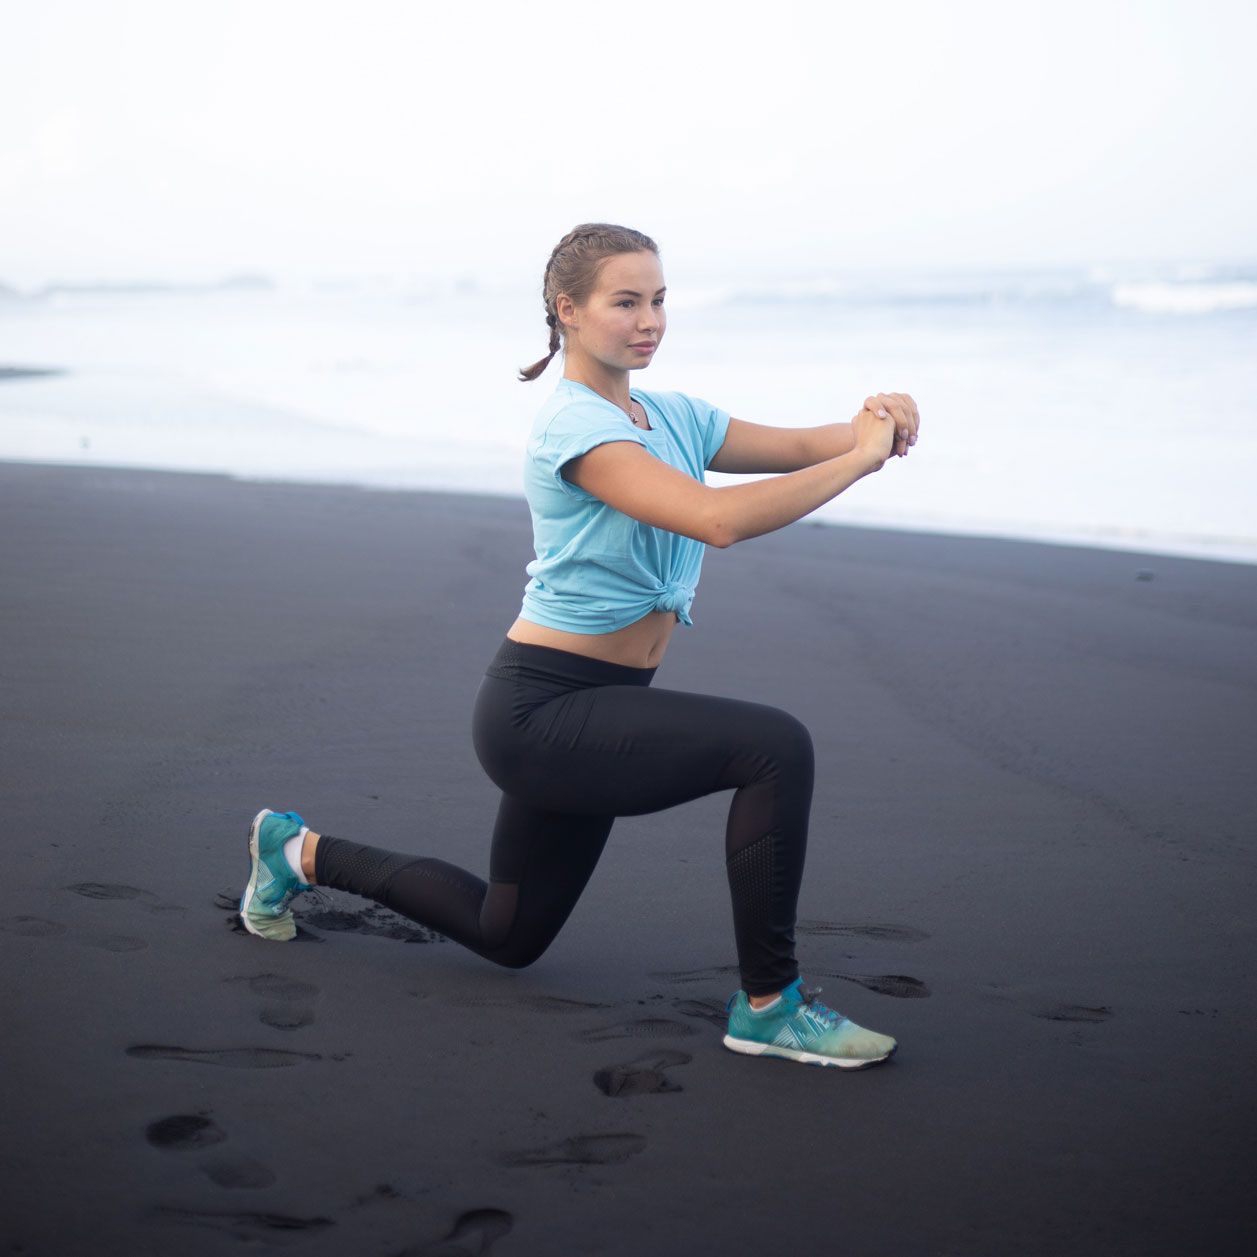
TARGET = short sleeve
x,y
574,431
713,426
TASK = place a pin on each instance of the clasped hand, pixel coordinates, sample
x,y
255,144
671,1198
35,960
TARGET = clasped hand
x,y
888,423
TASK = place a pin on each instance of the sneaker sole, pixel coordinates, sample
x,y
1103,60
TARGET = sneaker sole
x,y
749,1047
279,929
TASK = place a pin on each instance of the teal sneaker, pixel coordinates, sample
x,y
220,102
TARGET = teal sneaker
x,y
272,883
800,1028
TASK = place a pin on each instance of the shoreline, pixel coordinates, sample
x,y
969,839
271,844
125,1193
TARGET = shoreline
x,y
1215,551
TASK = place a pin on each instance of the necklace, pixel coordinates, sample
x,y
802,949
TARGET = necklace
x,y
628,410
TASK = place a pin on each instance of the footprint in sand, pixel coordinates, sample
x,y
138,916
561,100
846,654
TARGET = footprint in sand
x,y
293,1014
246,1226
183,1131
192,1132
119,890
109,890
475,1232
1075,1012
896,985
580,1150
704,1009
384,1193
40,927
711,974
375,920
32,927
286,1017
643,1076
318,915
538,1003
560,1004
643,1028
878,933
228,1058
276,986
238,1172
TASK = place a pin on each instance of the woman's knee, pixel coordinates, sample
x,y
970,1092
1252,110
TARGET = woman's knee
x,y
518,954
504,938
790,742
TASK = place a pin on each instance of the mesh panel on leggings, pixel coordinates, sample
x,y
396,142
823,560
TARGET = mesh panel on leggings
x,y
360,869
751,880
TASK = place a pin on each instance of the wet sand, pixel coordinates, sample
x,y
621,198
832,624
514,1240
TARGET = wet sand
x,y
1031,860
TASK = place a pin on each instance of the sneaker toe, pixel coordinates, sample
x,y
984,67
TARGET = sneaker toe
x,y
858,1043
281,927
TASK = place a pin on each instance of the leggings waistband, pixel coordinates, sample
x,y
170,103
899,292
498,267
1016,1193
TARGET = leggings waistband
x,y
514,659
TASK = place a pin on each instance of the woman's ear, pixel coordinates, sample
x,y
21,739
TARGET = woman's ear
x,y
565,310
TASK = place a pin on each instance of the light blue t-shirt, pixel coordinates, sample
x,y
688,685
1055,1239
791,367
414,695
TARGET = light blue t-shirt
x,y
598,569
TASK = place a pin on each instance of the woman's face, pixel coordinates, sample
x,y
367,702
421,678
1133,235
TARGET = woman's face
x,y
622,323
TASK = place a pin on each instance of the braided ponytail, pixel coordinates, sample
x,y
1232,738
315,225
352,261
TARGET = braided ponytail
x,y
573,269
531,373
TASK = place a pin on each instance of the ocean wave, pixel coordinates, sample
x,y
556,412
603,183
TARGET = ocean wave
x,y
1177,290
1162,297
1059,287
1173,288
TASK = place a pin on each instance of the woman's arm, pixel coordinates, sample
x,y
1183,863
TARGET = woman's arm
x,y
755,447
634,481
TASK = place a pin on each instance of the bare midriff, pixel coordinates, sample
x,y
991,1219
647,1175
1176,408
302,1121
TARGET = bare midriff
x,y
637,645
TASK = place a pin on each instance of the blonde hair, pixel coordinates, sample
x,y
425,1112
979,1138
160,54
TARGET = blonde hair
x,y
573,269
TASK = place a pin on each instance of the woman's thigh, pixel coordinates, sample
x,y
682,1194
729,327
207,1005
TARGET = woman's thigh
x,y
628,750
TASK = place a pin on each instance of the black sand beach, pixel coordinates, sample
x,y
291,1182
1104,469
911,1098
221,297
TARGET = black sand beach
x,y
1031,860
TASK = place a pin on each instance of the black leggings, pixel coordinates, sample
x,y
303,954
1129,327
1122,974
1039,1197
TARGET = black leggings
x,y
573,743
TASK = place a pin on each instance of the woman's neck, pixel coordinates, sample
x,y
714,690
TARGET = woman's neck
x,y
613,385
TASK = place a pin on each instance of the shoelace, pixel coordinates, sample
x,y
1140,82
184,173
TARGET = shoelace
x,y
823,1011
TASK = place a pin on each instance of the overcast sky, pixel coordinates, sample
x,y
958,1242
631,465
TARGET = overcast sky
x,y
182,139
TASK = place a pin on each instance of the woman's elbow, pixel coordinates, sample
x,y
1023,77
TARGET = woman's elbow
x,y
719,533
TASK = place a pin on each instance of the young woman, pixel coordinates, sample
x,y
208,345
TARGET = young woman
x,y
566,722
